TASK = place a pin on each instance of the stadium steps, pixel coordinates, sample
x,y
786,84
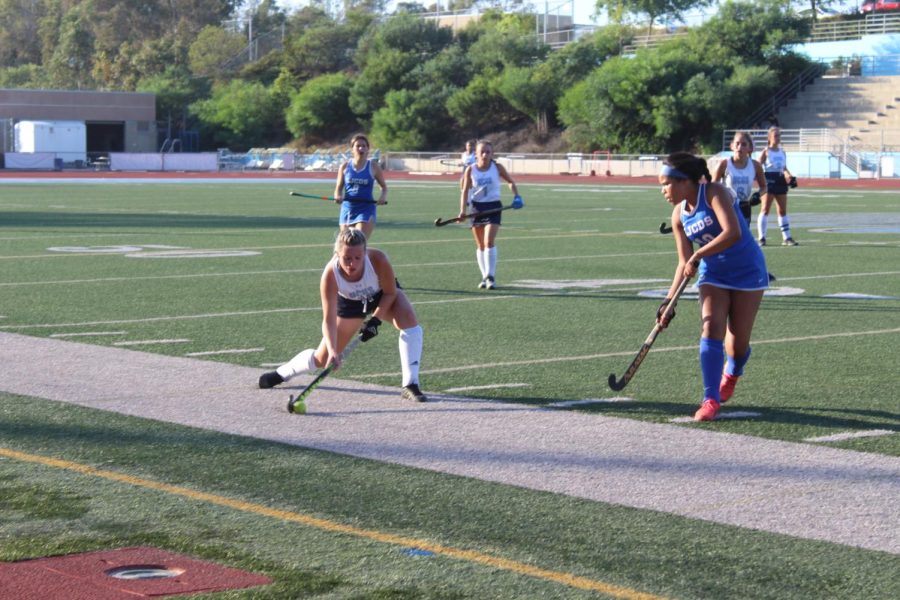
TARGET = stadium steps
x,y
863,110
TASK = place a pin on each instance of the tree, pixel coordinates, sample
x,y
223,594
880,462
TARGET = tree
x,y
532,91
674,9
320,108
238,115
213,47
19,40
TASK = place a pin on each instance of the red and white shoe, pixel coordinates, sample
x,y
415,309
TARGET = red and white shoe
x,y
707,411
726,387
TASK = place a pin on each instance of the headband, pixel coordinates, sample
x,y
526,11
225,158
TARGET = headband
x,y
670,171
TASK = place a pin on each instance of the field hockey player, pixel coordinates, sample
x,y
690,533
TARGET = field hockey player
x,y
481,193
358,281
355,187
731,271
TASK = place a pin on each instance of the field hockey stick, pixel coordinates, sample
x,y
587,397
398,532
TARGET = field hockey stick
x,y
297,404
328,198
441,222
452,163
664,228
331,198
618,385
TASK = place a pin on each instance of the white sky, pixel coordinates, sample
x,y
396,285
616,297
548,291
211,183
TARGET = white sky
x,y
583,10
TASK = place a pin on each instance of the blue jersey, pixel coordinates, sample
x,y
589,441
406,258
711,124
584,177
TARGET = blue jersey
x,y
741,266
358,185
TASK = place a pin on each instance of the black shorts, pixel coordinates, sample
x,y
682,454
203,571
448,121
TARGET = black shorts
x,y
357,309
776,183
478,207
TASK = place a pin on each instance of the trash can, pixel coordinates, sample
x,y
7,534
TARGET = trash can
x,y
57,164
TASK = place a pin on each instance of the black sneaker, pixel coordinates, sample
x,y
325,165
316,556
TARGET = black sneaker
x,y
789,242
270,379
762,242
412,392
489,282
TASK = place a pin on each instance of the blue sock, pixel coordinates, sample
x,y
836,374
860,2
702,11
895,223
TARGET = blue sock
x,y
735,366
712,358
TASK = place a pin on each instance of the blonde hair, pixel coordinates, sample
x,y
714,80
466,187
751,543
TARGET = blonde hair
x,y
348,238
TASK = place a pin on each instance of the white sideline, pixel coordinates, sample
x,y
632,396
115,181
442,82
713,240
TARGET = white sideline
x,y
802,490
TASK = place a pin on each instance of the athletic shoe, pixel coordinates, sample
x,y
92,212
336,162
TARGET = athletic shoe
x,y
412,392
789,242
726,387
762,242
270,379
490,282
707,411
483,284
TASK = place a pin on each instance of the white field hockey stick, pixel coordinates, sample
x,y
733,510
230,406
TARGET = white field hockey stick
x,y
618,385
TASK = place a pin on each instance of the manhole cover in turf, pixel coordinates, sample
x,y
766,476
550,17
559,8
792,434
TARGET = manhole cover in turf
x,y
144,572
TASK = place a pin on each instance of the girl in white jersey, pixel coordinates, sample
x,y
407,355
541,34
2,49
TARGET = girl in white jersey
x,y
740,171
481,192
357,282
778,179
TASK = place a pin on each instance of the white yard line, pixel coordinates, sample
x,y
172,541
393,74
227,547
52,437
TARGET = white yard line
x,y
850,435
231,351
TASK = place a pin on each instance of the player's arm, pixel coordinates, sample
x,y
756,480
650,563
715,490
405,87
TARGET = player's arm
x,y
719,199
720,170
378,174
504,175
328,292
339,184
683,247
466,188
387,281
760,177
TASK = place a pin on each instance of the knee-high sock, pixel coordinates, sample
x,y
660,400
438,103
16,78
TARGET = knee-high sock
x,y
481,258
762,223
712,359
735,364
410,353
302,363
784,223
492,260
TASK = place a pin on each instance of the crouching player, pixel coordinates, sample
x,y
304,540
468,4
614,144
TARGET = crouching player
x,y
356,282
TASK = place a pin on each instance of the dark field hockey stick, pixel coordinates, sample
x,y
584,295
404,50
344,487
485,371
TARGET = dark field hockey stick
x,y
452,163
664,228
441,222
330,198
619,384
297,404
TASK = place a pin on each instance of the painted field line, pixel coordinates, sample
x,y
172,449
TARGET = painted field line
x,y
850,435
497,562
558,359
507,239
145,342
230,351
589,401
86,333
495,386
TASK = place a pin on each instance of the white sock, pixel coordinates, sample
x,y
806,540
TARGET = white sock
x,y
482,262
492,260
785,225
410,354
302,363
762,223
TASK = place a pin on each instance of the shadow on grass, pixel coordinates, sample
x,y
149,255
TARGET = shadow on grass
x,y
155,220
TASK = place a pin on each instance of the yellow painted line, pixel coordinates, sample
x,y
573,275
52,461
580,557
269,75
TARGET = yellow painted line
x,y
326,525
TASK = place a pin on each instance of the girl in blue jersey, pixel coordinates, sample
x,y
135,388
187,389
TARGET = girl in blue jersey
x,y
355,185
778,179
731,272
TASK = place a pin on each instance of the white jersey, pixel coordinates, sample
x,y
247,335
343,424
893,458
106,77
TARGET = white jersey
x,y
776,161
485,184
363,290
740,180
